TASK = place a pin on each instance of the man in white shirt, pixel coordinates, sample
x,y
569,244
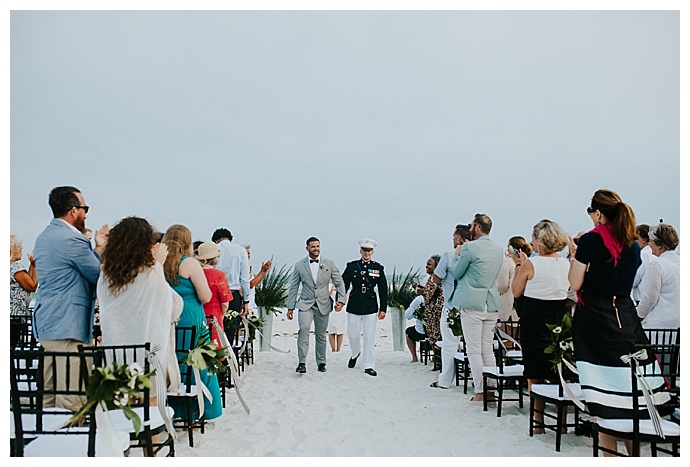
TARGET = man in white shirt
x,y
642,239
449,342
234,262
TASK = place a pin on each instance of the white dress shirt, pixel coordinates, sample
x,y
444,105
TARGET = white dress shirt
x,y
646,256
659,305
234,262
314,267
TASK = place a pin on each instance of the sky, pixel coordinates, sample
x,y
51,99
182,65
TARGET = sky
x,y
393,125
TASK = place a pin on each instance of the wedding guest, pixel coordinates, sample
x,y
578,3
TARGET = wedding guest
x,y
506,275
642,239
605,324
433,304
337,324
543,280
67,269
449,342
207,255
184,273
136,303
23,281
255,280
415,333
475,266
659,305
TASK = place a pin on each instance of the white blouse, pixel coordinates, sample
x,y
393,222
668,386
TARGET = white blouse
x,y
550,281
659,305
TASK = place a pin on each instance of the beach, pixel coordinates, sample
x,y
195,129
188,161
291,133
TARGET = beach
x,y
345,412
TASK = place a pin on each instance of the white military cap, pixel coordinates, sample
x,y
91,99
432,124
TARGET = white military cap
x,y
368,243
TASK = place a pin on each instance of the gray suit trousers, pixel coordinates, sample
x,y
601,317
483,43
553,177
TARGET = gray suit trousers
x,y
305,318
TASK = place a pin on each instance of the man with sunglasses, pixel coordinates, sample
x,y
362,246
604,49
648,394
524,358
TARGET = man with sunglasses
x,y
67,269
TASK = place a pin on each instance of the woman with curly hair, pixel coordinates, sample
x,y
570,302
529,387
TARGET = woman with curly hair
x,y
136,303
184,273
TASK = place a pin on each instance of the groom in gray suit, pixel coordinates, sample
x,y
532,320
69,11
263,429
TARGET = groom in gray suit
x,y
315,274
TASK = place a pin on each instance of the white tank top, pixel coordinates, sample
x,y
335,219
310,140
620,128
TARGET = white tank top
x,y
550,281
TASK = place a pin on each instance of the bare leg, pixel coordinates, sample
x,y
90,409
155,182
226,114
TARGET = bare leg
x,y
609,442
412,345
539,407
339,341
331,340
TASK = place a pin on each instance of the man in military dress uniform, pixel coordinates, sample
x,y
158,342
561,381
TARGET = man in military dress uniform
x,y
364,275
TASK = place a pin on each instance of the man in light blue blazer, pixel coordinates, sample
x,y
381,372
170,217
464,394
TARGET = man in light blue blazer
x,y
314,273
475,267
67,269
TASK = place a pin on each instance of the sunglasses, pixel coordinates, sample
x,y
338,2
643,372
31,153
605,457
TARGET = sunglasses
x,y
590,210
85,208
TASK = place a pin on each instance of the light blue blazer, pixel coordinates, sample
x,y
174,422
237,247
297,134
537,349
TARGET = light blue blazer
x,y
67,270
476,270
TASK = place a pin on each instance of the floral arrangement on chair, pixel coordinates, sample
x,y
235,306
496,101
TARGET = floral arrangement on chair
x,y
232,320
254,323
560,349
207,356
115,387
454,322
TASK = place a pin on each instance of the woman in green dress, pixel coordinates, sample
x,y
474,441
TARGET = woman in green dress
x,y
185,275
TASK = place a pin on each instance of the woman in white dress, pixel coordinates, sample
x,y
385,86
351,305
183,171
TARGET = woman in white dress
x,y
136,303
337,325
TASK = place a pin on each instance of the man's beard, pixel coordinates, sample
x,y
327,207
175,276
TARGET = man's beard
x,y
79,224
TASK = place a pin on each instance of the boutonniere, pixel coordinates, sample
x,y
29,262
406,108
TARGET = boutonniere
x,y
321,266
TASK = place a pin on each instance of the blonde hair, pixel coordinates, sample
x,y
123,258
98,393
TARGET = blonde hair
x,y
178,239
550,236
15,246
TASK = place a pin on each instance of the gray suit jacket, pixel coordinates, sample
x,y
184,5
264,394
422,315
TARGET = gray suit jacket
x,y
314,292
67,270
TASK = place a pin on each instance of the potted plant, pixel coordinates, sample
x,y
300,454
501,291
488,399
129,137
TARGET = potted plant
x,y
400,295
271,295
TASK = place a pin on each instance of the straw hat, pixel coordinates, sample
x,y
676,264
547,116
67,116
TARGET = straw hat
x,y
208,250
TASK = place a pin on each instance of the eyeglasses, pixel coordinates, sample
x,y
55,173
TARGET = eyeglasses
x,y
590,210
85,208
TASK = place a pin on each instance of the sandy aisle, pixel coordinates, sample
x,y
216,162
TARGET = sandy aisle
x,y
345,412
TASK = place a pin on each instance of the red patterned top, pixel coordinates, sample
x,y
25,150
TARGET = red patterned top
x,y
220,293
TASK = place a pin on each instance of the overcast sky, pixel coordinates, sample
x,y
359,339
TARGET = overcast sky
x,y
390,125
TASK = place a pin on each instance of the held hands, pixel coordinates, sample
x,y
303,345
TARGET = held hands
x,y
339,306
245,309
289,314
160,252
266,266
382,314
458,249
102,235
572,247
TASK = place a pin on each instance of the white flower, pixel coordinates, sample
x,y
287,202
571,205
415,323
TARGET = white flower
x,y
451,322
557,330
564,345
120,399
572,347
135,369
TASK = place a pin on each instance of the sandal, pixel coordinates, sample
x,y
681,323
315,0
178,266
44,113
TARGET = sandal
x,y
435,385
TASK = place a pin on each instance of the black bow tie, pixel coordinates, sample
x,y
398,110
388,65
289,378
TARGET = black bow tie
x,y
313,260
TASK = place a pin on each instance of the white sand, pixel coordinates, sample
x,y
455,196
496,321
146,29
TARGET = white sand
x,y
345,412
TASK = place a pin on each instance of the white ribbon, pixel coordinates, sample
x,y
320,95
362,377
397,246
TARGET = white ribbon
x,y
633,359
233,363
503,335
565,386
271,346
201,391
109,436
161,390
